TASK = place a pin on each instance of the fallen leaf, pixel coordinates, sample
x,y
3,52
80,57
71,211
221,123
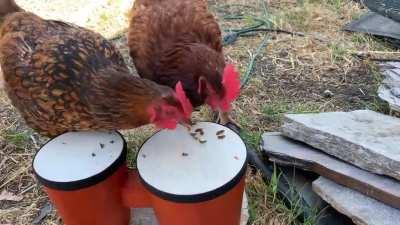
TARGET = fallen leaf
x,y
8,196
44,211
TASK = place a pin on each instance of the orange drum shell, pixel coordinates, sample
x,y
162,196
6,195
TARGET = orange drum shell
x,y
100,204
223,210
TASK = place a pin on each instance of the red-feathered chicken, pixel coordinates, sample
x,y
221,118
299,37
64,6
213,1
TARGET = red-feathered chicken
x,y
179,40
63,77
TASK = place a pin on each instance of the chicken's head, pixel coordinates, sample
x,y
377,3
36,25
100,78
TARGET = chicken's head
x,y
219,94
171,109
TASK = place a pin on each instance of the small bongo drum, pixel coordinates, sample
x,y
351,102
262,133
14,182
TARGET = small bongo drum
x,y
194,177
83,173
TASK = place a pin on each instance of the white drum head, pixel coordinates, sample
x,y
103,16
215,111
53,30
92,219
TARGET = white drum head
x,y
77,159
175,165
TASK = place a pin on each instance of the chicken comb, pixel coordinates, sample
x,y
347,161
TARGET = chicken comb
x,y
231,83
180,94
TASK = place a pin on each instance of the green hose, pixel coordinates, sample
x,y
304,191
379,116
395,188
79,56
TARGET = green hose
x,y
259,25
250,66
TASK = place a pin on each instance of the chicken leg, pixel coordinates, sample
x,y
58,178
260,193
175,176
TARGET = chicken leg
x,y
225,119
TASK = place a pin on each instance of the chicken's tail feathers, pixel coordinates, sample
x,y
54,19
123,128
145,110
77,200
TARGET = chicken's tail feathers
x,y
8,7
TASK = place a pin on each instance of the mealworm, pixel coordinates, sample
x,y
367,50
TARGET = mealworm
x,y
202,141
220,132
200,131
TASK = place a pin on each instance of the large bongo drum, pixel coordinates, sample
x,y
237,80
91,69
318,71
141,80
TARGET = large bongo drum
x,y
194,177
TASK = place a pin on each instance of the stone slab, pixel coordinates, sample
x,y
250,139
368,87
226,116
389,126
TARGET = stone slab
x,y
386,94
364,138
146,216
288,152
360,208
389,90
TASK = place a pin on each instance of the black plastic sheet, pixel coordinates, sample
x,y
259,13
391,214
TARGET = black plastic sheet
x,y
378,25
387,8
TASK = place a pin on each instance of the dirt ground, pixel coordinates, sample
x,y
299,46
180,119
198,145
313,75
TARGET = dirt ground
x,y
312,71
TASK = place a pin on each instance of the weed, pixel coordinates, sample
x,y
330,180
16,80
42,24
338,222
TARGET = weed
x,y
338,52
251,138
16,138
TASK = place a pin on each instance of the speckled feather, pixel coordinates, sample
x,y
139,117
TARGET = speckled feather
x,y
63,77
176,40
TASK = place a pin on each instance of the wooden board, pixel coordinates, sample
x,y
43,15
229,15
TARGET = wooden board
x,y
285,151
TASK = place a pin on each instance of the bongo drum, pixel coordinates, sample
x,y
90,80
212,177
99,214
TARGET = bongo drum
x,y
194,177
83,172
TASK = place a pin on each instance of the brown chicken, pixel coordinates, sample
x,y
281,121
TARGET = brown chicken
x,y
63,77
179,40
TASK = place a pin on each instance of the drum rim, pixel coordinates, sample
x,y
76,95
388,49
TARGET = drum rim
x,y
86,182
201,197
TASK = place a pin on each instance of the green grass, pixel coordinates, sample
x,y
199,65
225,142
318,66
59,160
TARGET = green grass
x,y
135,139
265,193
251,138
375,44
335,4
360,39
294,206
297,18
15,138
376,104
274,111
338,52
